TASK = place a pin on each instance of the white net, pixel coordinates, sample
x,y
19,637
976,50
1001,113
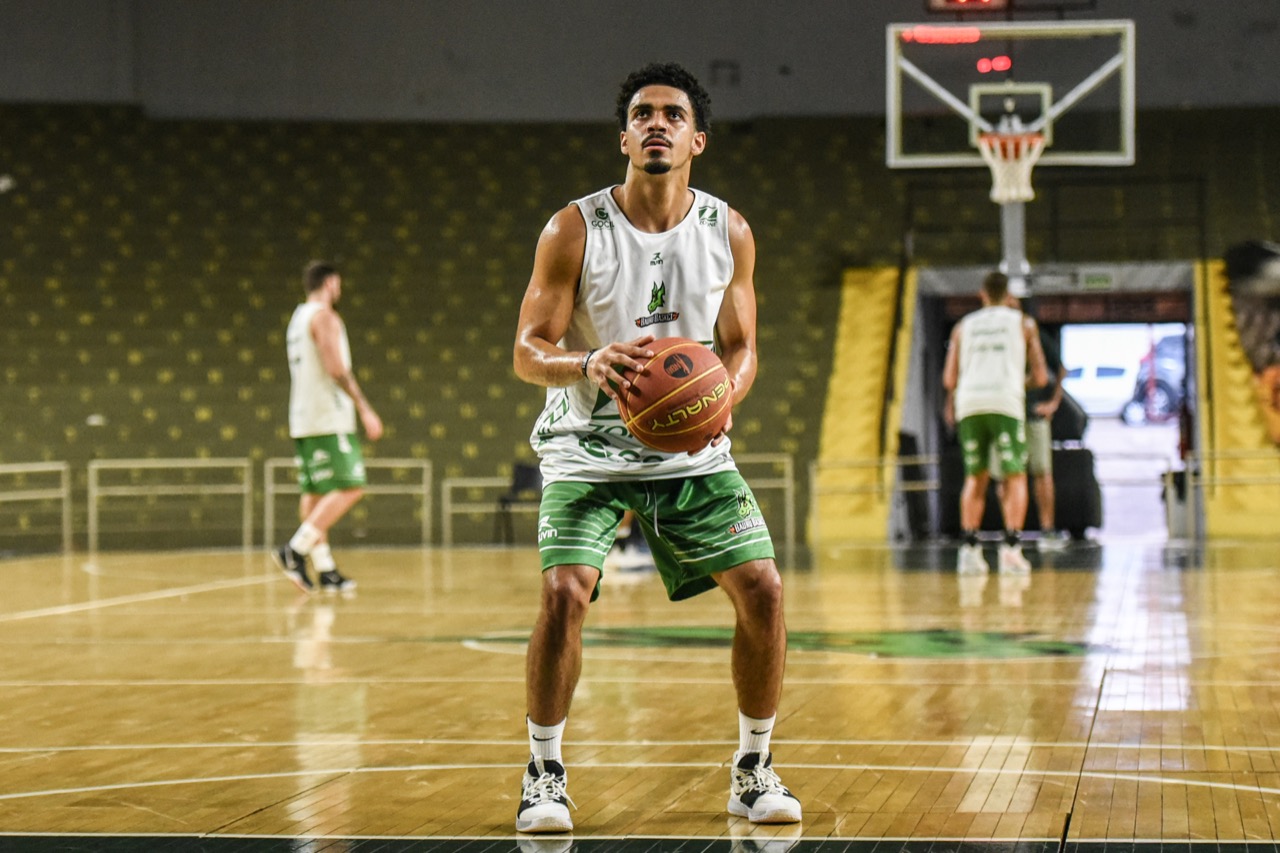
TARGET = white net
x,y
1011,157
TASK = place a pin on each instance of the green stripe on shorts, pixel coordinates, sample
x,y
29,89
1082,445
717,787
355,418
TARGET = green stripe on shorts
x,y
695,526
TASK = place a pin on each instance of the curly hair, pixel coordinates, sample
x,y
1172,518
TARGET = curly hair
x,y
666,74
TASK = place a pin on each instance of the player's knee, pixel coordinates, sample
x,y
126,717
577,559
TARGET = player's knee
x,y
757,588
566,593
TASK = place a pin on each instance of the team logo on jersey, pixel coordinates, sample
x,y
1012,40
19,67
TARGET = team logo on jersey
x,y
602,219
708,215
658,295
657,299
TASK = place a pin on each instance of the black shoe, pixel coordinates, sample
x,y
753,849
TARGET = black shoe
x,y
333,581
294,566
544,802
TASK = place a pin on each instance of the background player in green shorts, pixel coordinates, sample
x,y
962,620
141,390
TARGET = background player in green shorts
x,y
655,255
1042,403
324,400
992,352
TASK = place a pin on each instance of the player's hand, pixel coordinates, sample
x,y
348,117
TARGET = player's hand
x,y
609,364
1046,409
372,424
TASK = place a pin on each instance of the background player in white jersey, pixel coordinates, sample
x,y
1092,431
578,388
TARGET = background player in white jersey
x,y
324,399
993,351
648,258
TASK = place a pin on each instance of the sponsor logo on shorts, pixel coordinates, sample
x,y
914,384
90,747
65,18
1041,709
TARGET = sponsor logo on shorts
x,y
319,457
745,525
322,474
546,530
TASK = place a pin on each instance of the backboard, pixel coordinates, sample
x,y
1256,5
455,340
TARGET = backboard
x,y
1072,81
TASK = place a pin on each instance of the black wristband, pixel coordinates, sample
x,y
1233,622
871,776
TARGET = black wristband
x,y
585,359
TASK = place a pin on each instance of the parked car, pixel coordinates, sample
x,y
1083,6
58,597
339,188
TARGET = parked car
x,y
1160,383
1103,389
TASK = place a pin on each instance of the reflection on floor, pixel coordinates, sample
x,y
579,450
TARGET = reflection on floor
x,y
1123,695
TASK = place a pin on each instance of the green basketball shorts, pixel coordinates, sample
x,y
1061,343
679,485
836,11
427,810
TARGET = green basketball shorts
x,y
985,434
329,462
1039,450
695,526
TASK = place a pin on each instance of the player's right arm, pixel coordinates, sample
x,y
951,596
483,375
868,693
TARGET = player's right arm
x,y
547,309
951,377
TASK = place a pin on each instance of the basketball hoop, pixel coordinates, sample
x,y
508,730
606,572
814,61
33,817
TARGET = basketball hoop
x,y
1011,157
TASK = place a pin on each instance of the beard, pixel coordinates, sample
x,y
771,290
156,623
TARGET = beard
x,y
657,167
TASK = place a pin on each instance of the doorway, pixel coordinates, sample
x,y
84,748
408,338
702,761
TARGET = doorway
x,y
1131,381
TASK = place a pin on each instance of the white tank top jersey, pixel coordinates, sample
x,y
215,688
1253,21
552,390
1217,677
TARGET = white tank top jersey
x,y
633,283
993,363
317,406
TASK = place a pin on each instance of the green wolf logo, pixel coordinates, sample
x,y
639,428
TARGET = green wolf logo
x,y
658,296
746,504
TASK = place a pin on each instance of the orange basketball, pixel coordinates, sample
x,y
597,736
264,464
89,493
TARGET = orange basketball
x,y
681,401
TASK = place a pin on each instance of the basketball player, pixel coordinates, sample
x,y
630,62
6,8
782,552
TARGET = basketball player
x,y
1042,404
324,399
985,376
647,258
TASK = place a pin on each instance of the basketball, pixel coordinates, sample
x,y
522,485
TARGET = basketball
x,y
681,401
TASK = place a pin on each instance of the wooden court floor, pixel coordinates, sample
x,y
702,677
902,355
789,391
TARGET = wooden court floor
x,y
1123,697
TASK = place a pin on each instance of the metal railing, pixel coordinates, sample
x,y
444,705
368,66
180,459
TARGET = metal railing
x,y
61,492
876,483
422,487
244,488
1206,471
452,504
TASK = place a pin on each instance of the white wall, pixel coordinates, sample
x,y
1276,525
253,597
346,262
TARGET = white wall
x,y
482,60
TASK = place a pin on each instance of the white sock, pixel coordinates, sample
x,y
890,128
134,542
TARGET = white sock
x,y
322,558
544,741
305,539
753,734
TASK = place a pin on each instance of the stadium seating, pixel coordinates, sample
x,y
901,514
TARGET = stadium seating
x,y
151,267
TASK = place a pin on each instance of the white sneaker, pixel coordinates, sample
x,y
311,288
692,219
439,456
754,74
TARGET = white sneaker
x,y
1012,561
969,560
1051,540
756,792
544,800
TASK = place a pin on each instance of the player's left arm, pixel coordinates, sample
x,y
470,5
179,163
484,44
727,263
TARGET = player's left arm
x,y
736,324
1038,368
326,330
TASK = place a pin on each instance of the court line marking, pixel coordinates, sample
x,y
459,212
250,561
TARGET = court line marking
x,y
338,772
992,741
136,598
758,835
